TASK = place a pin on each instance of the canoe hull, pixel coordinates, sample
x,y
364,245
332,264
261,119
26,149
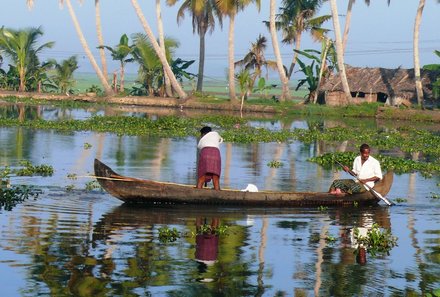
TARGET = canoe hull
x,y
135,190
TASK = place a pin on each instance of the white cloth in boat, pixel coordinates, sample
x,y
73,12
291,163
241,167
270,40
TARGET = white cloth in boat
x,y
211,139
250,188
370,168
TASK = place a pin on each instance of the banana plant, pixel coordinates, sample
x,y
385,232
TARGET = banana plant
x,y
436,84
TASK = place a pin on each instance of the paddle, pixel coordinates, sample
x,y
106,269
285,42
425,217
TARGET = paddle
x,y
370,189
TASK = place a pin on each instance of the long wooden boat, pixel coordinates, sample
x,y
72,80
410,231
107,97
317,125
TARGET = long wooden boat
x,y
134,190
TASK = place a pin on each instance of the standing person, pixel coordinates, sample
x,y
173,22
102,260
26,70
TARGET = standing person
x,y
209,166
367,170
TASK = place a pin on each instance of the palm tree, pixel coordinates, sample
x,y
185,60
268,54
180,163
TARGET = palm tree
x,y
255,60
418,80
281,69
120,53
20,45
339,49
174,83
102,78
231,8
151,73
100,38
204,14
64,73
297,17
168,90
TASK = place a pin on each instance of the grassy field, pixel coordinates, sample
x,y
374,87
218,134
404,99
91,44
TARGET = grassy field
x,y
218,87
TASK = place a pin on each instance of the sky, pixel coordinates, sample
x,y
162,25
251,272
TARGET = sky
x,y
380,35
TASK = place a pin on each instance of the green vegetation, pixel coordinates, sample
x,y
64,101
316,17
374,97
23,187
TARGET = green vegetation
x,y
29,169
401,200
275,164
376,241
168,235
208,229
11,195
92,185
322,208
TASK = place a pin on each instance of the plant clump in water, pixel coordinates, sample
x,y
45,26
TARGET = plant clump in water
x,y
11,195
377,240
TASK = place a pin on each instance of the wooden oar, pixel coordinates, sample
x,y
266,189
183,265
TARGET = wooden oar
x,y
370,189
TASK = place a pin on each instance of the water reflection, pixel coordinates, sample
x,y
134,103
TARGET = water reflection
x,y
88,246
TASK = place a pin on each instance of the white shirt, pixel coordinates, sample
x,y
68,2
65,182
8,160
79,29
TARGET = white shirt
x,y
211,139
370,168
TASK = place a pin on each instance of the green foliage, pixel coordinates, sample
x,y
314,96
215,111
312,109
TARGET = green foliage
x,y
208,229
168,235
13,195
63,77
87,146
322,208
435,196
401,200
433,293
95,89
377,240
275,164
20,47
10,196
92,185
29,169
436,84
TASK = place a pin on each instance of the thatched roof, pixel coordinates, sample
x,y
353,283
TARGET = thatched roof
x,y
393,82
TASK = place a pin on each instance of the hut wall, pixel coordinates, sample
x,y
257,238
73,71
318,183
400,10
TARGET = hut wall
x,y
337,98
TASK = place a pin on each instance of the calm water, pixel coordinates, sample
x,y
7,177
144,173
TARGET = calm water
x,y
86,243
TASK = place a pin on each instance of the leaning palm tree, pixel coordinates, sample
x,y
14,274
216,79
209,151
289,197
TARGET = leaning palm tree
x,y
296,17
20,47
418,80
204,14
231,8
120,53
102,78
160,31
281,69
100,38
339,50
174,83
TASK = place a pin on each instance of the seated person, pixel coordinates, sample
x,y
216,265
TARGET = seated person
x,y
367,170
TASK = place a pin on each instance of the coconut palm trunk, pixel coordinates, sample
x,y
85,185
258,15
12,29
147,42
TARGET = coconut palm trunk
x,y
231,58
417,77
347,24
174,83
295,55
201,70
339,50
321,70
168,90
107,89
100,39
273,33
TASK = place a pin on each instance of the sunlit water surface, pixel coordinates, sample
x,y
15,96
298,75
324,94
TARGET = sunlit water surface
x,y
76,242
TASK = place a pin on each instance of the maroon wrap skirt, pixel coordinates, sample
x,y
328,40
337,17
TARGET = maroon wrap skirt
x,y
210,162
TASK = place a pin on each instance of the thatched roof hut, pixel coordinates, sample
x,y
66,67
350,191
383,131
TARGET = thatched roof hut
x,y
376,84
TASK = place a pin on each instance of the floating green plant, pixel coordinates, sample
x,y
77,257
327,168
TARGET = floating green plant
x,y
168,235
72,176
401,200
92,185
435,195
377,240
11,195
208,229
398,165
275,164
322,208
29,169
87,146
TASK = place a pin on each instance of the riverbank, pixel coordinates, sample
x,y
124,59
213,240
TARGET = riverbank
x,y
212,104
